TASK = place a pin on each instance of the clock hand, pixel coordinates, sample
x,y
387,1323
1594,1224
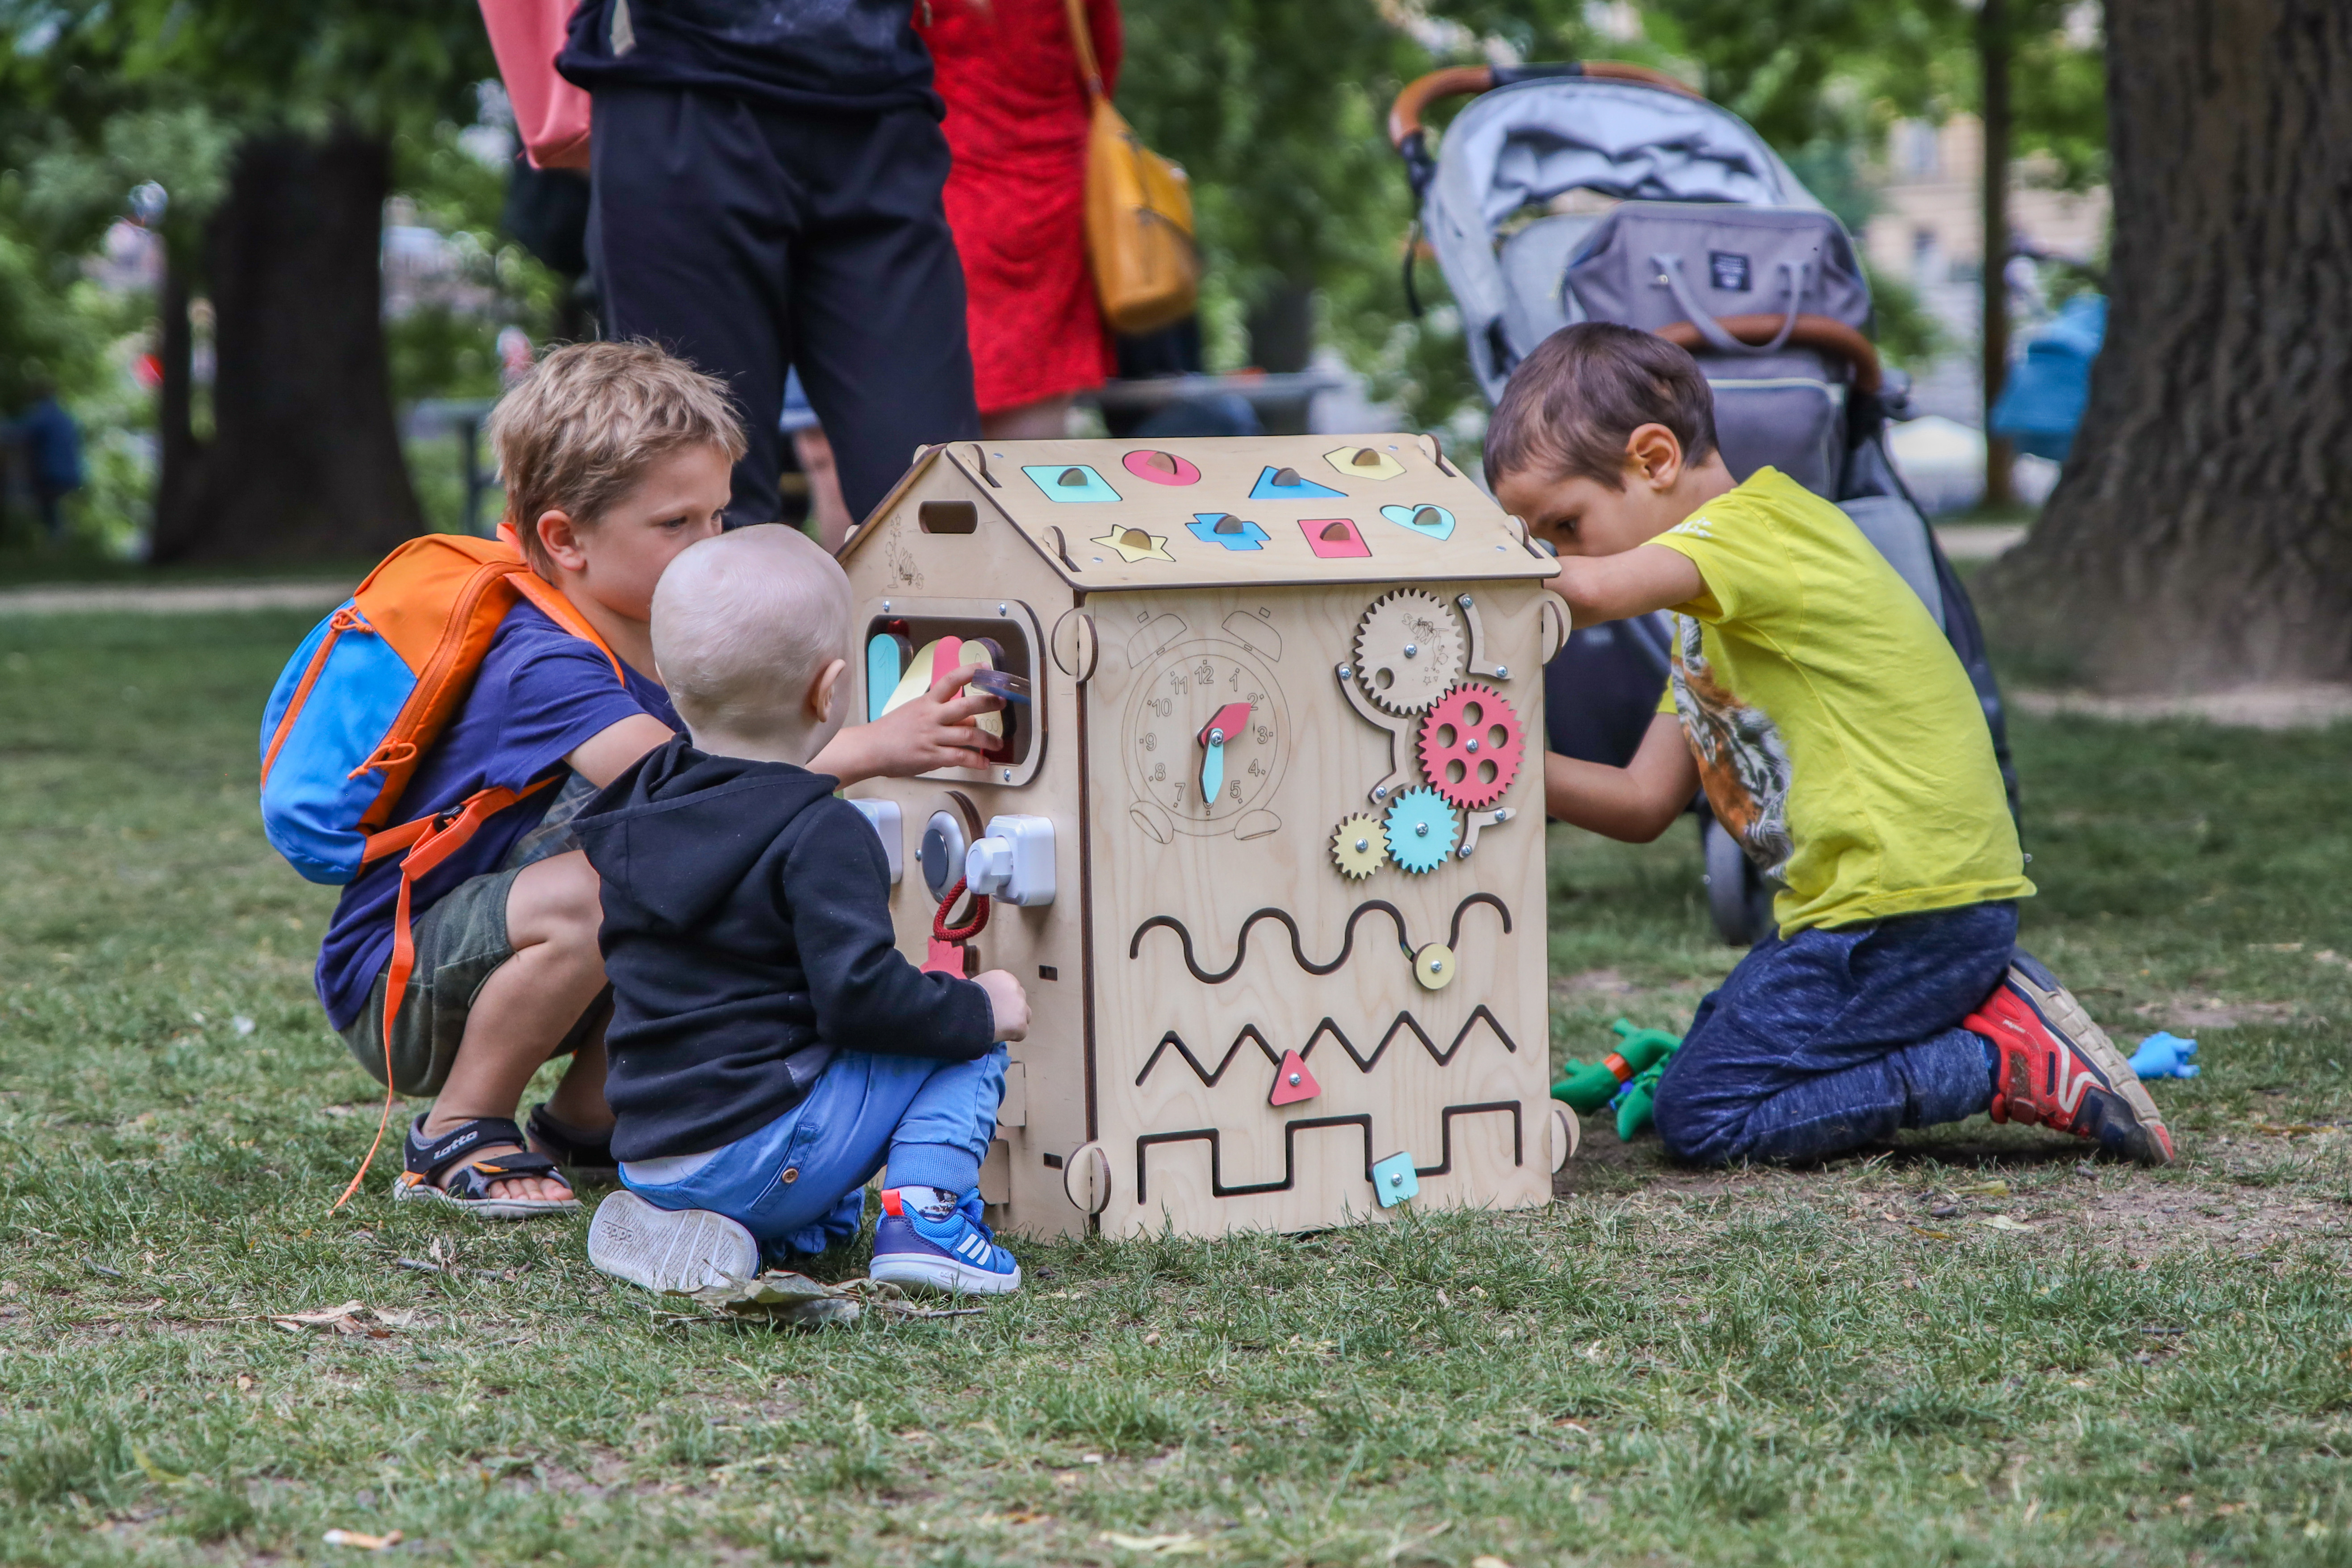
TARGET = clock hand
x,y
1227,723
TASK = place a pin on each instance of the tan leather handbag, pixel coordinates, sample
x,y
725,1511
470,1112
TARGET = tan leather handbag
x,y
1138,213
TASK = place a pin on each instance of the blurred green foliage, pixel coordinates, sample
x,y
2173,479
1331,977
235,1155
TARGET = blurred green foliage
x,y
1277,110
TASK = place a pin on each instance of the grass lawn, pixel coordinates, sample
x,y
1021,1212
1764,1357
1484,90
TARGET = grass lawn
x,y
1979,1348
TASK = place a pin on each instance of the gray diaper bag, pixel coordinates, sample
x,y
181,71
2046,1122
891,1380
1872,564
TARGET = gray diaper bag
x,y
1651,264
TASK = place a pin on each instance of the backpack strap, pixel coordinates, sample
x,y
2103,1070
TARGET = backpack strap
x,y
429,841
551,603
560,610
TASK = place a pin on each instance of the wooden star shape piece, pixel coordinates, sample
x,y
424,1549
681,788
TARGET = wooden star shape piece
x,y
1133,544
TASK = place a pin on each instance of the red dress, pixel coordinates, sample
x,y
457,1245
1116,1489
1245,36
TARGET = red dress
x,y
1016,122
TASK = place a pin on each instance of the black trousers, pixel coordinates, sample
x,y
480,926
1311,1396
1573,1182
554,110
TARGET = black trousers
x,y
749,239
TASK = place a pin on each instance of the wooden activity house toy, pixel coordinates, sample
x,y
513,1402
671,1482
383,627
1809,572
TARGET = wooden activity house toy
x,y
1264,837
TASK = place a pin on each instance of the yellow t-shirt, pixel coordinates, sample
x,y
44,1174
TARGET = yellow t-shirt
x,y
1836,733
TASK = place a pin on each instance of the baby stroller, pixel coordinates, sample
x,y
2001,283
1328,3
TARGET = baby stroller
x,y
1608,192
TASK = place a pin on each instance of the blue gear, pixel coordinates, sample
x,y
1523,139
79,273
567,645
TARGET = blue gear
x,y
1422,829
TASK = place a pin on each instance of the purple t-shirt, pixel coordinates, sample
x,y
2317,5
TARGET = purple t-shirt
x,y
540,693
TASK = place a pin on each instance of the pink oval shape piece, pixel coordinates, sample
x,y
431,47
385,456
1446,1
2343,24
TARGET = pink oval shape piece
x,y
1160,468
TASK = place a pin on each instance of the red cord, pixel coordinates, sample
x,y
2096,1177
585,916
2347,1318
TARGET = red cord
x,y
942,931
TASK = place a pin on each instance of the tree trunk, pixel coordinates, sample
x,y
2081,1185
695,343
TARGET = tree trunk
x,y
180,455
2201,537
305,459
1993,67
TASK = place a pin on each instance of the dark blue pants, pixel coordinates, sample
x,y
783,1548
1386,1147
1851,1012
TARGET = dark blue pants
x,y
1834,1039
750,239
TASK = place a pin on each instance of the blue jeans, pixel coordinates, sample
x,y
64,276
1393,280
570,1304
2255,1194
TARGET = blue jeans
x,y
1834,1039
798,1184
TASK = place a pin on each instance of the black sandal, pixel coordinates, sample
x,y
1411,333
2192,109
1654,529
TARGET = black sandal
x,y
470,1185
587,1155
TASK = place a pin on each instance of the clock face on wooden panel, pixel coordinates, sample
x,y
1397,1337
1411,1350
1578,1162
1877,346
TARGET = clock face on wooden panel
x,y
1206,736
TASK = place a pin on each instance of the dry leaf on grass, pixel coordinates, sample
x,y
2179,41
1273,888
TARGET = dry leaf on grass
x,y
783,1296
348,1319
364,1542
155,1472
1185,1545
2001,1222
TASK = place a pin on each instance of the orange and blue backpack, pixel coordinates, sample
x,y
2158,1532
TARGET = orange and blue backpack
x,y
362,702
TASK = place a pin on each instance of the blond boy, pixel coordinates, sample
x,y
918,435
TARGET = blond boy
x,y
616,458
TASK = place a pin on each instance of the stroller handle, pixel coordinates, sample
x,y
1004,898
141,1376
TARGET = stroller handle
x,y
1460,81
1823,332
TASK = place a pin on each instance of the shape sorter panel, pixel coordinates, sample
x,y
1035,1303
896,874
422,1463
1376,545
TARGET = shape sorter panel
x,y
1116,515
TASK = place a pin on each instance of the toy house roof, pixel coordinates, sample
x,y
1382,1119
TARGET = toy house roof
x,y
1270,510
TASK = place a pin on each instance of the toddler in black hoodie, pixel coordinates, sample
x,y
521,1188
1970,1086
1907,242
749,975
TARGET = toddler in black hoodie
x,y
770,1047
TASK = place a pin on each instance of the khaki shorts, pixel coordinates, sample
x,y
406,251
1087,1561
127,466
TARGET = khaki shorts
x,y
460,940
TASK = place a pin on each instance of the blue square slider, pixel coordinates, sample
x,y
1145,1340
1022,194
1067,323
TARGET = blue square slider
x,y
1394,1180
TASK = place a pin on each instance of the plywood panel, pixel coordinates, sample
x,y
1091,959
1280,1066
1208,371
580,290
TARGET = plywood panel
x,y
1082,528
1196,938
1190,969
908,568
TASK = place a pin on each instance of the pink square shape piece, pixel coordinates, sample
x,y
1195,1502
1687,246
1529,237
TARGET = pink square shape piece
x,y
1348,540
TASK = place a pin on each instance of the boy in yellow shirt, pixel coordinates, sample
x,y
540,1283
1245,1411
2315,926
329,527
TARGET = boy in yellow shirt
x,y
1839,739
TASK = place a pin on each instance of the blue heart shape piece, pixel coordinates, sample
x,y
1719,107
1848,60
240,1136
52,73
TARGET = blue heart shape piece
x,y
1429,521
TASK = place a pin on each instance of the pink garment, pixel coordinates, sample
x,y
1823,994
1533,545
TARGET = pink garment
x,y
1016,122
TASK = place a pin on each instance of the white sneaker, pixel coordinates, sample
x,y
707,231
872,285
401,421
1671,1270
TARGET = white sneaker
x,y
670,1250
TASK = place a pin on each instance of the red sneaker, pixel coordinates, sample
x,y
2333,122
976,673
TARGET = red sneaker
x,y
2059,1069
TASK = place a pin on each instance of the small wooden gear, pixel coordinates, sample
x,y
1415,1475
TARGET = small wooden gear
x,y
1408,650
1421,830
1470,746
1359,845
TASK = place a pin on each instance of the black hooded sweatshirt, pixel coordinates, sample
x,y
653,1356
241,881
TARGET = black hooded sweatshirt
x,y
747,934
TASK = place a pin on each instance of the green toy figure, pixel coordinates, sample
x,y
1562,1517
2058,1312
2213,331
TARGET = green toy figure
x,y
1589,1086
1635,1100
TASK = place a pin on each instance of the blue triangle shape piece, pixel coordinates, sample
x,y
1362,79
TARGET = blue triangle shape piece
x,y
1299,489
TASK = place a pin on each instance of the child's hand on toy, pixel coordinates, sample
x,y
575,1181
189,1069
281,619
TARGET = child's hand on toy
x,y
934,730
1008,1003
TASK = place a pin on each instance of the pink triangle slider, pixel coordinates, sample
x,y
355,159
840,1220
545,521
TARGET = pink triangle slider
x,y
1292,1081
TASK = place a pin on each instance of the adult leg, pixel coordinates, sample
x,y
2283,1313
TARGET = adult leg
x,y
688,246
525,1011
1838,1039
877,304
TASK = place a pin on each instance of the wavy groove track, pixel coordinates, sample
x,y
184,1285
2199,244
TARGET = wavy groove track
x,y
1297,944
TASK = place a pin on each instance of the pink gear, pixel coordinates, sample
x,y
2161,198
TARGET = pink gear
x,y
1470,746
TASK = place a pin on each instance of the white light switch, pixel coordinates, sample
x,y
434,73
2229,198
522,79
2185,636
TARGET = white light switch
x,y
882,816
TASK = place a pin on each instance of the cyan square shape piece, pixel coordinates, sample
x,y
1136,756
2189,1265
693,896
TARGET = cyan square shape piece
x,y
1054,478
1394,1180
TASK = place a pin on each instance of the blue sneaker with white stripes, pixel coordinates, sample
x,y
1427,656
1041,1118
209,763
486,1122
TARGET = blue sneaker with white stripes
x,y
937,1243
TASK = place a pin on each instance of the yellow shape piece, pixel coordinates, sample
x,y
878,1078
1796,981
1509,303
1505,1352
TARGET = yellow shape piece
x,y
1363,463
918,680
1133,544
1433,966
1357,846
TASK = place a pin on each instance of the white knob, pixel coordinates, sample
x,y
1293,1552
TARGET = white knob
x,y
988,867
